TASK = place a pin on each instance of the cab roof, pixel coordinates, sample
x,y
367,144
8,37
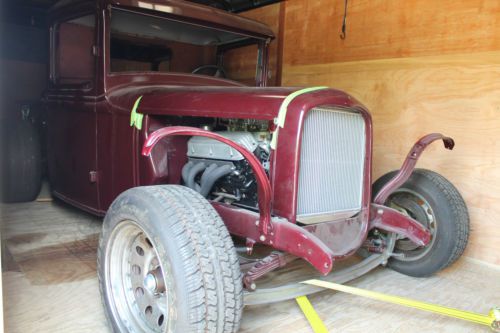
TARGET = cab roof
x,y
182,11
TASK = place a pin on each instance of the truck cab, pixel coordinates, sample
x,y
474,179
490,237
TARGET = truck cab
x,y
99,50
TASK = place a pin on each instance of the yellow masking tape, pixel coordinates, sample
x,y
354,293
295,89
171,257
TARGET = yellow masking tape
x,y
284,108
136,117
311,315
487,320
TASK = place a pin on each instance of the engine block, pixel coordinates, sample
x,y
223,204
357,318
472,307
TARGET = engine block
x,y
221,173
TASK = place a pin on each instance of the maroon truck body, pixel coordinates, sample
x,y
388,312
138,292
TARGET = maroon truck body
x,y
94,153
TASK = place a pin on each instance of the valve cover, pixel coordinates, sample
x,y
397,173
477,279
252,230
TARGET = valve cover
x,y
202,147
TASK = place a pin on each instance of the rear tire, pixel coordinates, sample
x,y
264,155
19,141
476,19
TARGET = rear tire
x,y
21,162
433,201
193,258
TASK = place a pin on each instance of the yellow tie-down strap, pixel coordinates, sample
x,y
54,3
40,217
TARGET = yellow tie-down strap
x,y
491,320
311,315
280,120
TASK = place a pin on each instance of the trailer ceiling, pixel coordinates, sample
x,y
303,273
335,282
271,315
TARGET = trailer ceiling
x,y
235,6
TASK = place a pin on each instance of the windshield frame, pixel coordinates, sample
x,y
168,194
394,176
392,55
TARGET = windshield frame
x,y
261,43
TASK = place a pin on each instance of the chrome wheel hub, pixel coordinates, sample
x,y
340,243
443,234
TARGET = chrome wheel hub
x,y
135,280
413,205
150,283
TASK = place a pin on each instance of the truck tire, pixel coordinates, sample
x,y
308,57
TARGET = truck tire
x,y
21,163
433,201
166,263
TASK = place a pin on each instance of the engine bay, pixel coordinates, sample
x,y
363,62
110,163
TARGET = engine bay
x,y
219,172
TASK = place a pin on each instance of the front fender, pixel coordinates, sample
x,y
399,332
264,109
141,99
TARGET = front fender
x,y
277,233
409,164
263,186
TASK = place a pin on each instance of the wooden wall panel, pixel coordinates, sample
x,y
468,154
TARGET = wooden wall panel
x,y
456,95
420,66
242,65
379,29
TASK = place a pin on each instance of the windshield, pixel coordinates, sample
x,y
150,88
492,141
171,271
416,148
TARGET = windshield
x,y
142,43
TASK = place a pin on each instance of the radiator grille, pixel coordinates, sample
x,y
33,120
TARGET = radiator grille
x,y
331,163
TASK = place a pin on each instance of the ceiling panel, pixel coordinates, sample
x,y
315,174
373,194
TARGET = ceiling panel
x,y
229,5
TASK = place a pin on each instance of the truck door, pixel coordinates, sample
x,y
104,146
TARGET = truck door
x,y
71,114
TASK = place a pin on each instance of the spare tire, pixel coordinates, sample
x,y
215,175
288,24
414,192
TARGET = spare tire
x,y
21,164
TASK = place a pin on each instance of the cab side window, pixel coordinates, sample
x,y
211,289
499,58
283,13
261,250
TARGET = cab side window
x,y
73,61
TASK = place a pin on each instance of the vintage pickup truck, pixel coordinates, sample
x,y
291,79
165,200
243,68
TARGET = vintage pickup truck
x,y
152,124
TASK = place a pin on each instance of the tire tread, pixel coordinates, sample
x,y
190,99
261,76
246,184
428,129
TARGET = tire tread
x,y
459,209
212,273
450,196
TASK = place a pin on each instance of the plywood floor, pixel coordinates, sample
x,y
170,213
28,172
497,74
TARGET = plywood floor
x,y
50,285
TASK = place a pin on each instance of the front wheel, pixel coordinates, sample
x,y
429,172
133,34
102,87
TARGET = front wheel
x,y
166,263
433,201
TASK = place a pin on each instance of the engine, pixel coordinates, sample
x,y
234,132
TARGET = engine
x,y
221,173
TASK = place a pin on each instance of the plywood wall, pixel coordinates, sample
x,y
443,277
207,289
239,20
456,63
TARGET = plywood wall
x,y
381,29
241,66
420,66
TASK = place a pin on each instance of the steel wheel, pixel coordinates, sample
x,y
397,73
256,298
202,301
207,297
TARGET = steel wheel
x,y
415,206
166,263
433,201
137,280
